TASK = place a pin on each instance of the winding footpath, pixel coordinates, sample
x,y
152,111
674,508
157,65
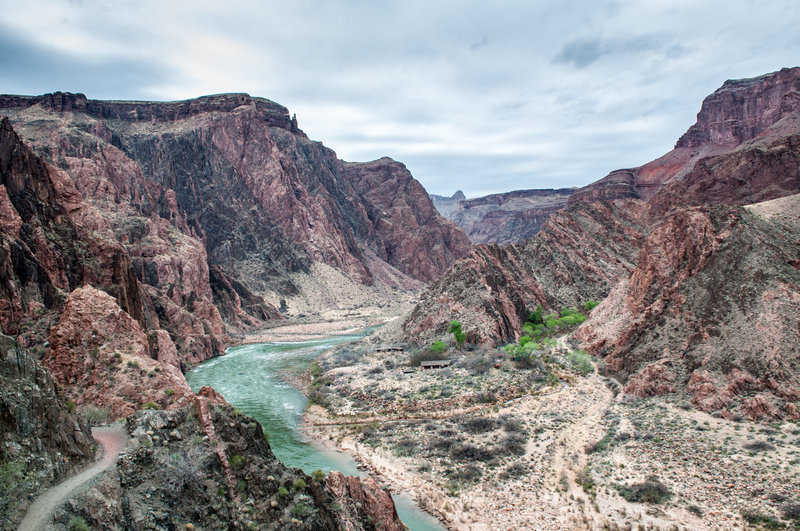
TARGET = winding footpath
x,y
112,441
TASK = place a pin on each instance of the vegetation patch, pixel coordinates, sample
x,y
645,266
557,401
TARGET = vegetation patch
x,y
649,491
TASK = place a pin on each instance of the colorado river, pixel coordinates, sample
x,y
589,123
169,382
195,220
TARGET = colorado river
x,y
249,378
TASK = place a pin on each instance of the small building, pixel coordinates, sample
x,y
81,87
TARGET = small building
x,y
435,364
391,348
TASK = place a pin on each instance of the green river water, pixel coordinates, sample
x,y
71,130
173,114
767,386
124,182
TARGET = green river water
x,y
249,378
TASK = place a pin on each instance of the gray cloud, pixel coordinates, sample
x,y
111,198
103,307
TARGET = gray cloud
x,y
469,94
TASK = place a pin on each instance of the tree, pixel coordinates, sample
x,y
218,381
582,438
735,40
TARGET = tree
x,y
458,334
536,315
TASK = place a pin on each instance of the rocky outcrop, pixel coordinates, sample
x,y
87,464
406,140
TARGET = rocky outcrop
x,y
406,230
713,304
503,218
231,181
363,499
101,356
172,459
42,440
752,114
580,254
688,288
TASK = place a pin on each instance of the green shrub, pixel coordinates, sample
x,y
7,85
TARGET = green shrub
x,y
318,474
580,361
282,492
763,520
299,484
536,316
95,415
133,364
438,347
236,462
70,406
590,305
458,334
300,509
77,523
150,405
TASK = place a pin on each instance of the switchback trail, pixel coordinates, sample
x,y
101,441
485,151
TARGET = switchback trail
x,y
112,440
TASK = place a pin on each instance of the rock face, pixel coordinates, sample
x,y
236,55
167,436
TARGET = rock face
x,y
102,357
240,175
219,459
41,440
503,218
713,301
745,115
405,230
580,254
701,296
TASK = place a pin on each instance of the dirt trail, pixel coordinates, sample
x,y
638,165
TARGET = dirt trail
x,y
112,441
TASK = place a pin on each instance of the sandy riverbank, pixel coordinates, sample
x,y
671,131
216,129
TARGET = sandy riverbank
x,y
308,331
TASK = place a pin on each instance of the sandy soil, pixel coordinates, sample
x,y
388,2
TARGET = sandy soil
x,y
552,455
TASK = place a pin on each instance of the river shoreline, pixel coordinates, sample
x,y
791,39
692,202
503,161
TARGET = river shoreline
x,y
299,331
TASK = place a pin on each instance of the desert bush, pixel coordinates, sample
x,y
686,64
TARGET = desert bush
x,y
299,484
180,470
475,363
11,478
470,452
756,518
586,481
300,509
77,523
512,424
466,473
758,446
791,511
514,470
346,357
513,444
282,491
695,510
95,415
318,474
649,491
236,461
150,405
580,361
476,425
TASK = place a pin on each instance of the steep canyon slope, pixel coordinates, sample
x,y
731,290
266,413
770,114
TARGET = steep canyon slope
x,y
217,208
700,294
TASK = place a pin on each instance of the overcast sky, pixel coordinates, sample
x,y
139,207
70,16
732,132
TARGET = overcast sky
x,y
474,95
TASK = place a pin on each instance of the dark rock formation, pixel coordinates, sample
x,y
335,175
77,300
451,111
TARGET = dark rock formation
x,y
41,440
219,459
503,218
713,303
406,230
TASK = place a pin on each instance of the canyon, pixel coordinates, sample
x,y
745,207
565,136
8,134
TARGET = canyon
x,y
139,239
685,273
